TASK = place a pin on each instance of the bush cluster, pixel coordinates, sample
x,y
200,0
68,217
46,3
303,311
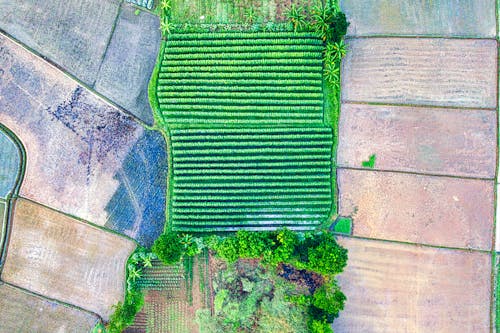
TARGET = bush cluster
x,y
318,252
315,252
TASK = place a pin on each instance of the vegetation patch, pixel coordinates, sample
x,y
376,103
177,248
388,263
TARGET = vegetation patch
x,y
370,163
276,281
343,225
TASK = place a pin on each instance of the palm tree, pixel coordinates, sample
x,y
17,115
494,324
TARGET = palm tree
x,y
147,259
332,74
334,51
165,6
322,17
166,26
297,16
339,50
134,273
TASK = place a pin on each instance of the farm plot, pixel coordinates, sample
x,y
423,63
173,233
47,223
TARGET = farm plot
x,y
173,294
414,289
236,11
85,157
24,312
241,78
421,71
387,205
225,179
63,258
438,18
419,139
249,146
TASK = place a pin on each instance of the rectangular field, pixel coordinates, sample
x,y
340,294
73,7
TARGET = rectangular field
x,y
415,139
474,18
405,288
24,312
421,71
226,179
249,145
439,211
242,79
65,259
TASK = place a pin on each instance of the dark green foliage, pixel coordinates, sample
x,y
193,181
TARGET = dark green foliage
x,y
327,257
370,163
329,299
168,248
125,312
329,23
338,27
319,326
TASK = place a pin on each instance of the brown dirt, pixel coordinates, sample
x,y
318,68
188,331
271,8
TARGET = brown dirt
x,y
406,288
65,259
23,312
421,71
440,211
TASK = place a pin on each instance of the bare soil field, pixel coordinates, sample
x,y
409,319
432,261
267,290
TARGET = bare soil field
x,y
422,71
103,44
440,211
84,156
437,17
424,140
65,259
24,312
405,288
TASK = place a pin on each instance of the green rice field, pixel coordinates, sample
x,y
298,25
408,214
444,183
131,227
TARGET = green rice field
x,y
248,144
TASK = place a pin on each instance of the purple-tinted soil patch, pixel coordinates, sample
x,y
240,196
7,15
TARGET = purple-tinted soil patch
x,y
84,157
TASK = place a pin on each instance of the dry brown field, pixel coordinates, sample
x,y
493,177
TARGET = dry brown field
x,y
424,140
402,288
421,71
24,312
436,17
441,211
65,259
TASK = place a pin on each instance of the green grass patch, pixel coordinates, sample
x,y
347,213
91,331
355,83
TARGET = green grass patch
x,y
370,163
343,225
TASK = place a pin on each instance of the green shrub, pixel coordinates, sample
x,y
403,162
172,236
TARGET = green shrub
x,y
330,299
168,248
319,326
327,257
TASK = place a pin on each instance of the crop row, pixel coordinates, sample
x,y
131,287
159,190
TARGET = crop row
x,y
247,102
243,75
254,48
220,69
298,87
241,35
234,41
242,62
301,96
251,132
239,81
244,55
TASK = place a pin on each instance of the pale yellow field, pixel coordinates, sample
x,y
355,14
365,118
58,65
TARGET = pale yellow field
x,y
65,259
